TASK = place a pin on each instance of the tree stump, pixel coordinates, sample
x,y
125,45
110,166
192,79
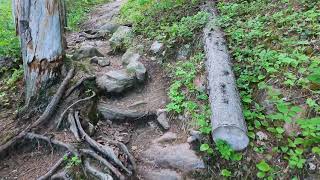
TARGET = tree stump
x,y
40,25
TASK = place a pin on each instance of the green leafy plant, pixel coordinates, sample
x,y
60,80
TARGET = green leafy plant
x,y
72,161
225,173
226,152
263,168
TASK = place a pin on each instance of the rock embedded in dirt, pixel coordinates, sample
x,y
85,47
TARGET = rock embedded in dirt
x,y
113,113
130,56
167,137
184,52
116,81
6,62
119,38
162,174
262,136
86,52
108,28
156,48
178,156
195,136
162,119
138,69
101,61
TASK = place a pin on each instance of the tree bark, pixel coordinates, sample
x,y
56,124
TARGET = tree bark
x,y
227,119
40,25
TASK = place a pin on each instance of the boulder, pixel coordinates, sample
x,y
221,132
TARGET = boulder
x,y
119,38
86,52
116,81
113,113
178,156
156,48
101,61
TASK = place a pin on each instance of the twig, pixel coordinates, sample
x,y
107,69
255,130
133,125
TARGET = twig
x,y
104,150
59,121
53,170
103,161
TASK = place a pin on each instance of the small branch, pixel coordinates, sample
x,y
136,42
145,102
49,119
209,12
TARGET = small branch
x,y
55,100
53,170
79,83
104,150
59,121
104,162
93,171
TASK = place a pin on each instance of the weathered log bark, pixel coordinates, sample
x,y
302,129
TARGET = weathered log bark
x,y
227,118
40,25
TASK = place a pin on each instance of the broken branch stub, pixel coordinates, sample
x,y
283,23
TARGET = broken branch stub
x,y
227,119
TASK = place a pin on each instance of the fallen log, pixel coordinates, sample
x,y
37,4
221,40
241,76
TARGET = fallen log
x,y
227,119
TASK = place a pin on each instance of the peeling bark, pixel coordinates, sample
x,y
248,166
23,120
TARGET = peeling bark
x,y
40,25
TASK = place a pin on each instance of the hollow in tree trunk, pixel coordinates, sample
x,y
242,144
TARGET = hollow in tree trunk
x,y
40,25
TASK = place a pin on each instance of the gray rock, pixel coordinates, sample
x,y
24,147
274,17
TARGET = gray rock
x,y
156,47
162,174
176,156
162,119
167,137
86,52
130,56
195,136
262,136
119,39
116,81
138,69
101,61
184,52
312,167
113,113
108,28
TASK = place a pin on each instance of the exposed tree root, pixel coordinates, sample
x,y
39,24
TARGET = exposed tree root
x,y
45,115
104,162
104,150
70,148
55,100
125,150
53,170
79,83
59,121
95,172
60,176
73,126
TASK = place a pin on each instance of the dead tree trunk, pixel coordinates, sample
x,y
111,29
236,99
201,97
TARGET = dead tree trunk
x,y
40,25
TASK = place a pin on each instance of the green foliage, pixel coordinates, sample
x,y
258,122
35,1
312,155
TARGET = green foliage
x,y
9,43
78,9
225,173
72,161
226,152
167,20
272,47
263,168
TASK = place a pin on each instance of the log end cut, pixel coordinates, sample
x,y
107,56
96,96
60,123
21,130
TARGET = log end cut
x,y
234,136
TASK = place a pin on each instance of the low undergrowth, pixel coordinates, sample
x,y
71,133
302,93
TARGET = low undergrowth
x,y
276,54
